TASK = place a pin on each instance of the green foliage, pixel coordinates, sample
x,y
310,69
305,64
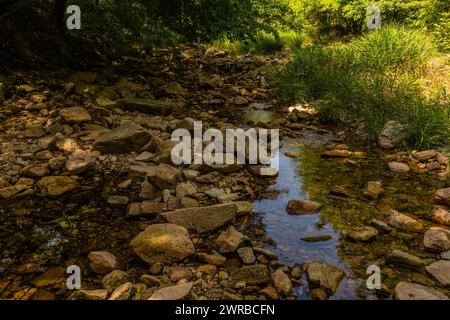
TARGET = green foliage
x,y
372,79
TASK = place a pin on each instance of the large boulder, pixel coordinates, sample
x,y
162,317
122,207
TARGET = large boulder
x,y
413,291
203,219
392,134
124,139
164,243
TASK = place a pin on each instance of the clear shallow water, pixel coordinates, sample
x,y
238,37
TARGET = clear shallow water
x,y
310,177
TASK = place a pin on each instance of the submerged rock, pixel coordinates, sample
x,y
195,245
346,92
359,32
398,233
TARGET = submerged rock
x,y
75,115
303,207
441,216
398,167
443,196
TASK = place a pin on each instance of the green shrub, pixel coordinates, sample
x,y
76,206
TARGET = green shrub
x,y
372,79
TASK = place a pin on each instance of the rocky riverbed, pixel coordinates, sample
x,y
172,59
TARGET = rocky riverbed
x,y
86,179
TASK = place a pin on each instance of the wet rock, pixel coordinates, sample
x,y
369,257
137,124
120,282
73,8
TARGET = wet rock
x,y
36,172
401,221
156,268
440,270
80,161
324,276
123,292
413,291
337,153
392,134
299,207
103,262
163,176
441,216
114,279
208,269
50,277
148,106
404,259
42,294
75,115
229,240
214,259
163,243
118,201
67,146
362,234
11,191
123,139
443,196
437,240
252,275
177,292
372,190
246,255
100,294
281,282
398,167
56,185
203,219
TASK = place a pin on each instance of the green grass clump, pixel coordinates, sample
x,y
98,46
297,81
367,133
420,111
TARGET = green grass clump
x,y
370,80
263,43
